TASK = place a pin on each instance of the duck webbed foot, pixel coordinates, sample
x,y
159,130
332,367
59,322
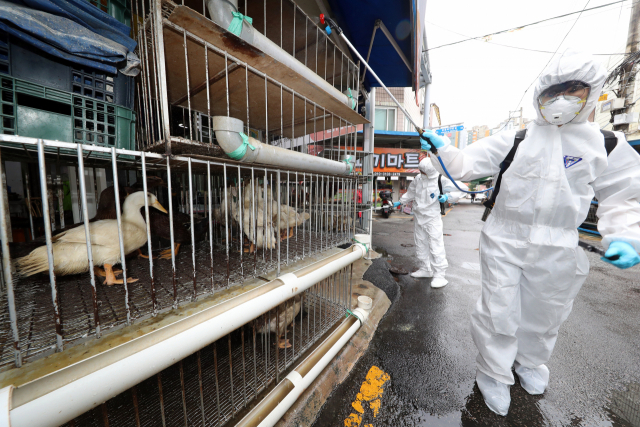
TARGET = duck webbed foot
x,y
100,272
283,342
166,254
111,280
141,255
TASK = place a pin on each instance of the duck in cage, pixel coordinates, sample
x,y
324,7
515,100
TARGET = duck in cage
x,y
278,324
259,215
70,246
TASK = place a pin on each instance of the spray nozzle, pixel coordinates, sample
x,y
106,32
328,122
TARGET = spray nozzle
x,y
330,24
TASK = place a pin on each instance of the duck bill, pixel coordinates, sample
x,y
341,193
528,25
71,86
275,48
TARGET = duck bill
x,y
158,206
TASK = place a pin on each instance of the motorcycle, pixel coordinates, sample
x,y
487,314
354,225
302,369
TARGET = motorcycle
x,y
387,203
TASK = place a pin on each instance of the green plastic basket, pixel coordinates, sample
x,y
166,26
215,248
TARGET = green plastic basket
x,y
52,114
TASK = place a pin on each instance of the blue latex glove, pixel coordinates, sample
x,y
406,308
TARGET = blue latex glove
x,y
443,198
396,204
430,136
623,253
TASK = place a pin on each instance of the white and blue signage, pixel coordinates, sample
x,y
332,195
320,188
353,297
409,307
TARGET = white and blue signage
x,y
449,129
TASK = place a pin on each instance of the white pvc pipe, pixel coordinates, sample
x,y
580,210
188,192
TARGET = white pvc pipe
x,y
5,405
220,11
228,130
85,393
301,383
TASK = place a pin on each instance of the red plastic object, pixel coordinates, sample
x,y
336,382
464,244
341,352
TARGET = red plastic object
x,y
322,18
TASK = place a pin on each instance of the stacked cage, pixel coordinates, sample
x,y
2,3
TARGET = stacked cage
x,y
79,149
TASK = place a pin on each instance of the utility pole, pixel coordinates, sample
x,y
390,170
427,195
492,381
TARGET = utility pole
x,y
627,79
511,116
521,119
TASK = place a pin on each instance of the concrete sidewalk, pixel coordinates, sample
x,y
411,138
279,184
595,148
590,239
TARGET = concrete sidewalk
x,y
425,358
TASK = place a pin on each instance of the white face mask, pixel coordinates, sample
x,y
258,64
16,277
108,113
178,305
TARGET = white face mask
x,y
562,110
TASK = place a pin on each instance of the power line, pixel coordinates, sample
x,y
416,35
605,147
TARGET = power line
x,y
509,46
554,53
528,25
584,15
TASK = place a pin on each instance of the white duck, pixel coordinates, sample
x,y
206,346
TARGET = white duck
x,y
289,217
262,239
279,323
70,247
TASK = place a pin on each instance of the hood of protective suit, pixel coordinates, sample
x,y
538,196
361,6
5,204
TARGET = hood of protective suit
x,y
572,65
427,168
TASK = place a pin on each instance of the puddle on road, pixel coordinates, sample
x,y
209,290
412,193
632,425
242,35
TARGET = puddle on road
x,y
422,418
626,404
382,251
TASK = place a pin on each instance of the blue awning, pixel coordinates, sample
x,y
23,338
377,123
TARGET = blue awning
x,y
357,19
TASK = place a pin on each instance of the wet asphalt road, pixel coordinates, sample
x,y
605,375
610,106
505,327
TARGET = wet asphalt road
x,y
424,344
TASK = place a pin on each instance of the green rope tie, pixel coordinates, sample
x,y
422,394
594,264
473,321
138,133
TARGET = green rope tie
x,y
348,162
363,244
353,100
351,313
236,23
239,152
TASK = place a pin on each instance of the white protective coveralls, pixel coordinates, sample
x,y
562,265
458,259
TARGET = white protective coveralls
x,y
531,266
424,192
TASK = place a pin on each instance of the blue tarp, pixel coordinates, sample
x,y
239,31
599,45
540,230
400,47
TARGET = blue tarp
x,y
357,19
73,30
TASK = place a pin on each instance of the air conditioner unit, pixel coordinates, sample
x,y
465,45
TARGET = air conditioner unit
x,y
619,119
618,104
632,117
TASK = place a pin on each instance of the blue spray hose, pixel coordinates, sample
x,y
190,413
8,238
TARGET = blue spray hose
x,y
454,182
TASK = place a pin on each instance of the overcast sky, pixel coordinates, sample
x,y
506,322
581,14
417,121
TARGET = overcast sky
x,y
478,82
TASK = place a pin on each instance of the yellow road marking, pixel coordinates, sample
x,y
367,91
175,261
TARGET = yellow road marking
x,y
370,392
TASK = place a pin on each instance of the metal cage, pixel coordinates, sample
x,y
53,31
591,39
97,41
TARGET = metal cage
x,y
218,383
238,222
193,70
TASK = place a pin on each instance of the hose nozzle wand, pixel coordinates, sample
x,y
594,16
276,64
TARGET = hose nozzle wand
x,y
590,248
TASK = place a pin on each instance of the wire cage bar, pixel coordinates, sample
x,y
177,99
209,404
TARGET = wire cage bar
x,y
226,223
219,383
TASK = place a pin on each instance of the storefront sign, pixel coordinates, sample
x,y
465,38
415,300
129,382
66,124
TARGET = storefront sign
x,y
394,161
386,161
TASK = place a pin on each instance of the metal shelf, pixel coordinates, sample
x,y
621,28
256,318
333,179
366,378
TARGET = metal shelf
x,y
243,82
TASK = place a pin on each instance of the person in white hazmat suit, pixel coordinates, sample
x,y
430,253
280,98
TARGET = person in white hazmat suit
x,y
424,191
531,265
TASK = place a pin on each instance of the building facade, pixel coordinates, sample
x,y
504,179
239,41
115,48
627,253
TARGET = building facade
x,y
388,115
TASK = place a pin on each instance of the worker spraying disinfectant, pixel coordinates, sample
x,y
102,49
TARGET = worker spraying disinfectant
x,y
428,191
532,263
